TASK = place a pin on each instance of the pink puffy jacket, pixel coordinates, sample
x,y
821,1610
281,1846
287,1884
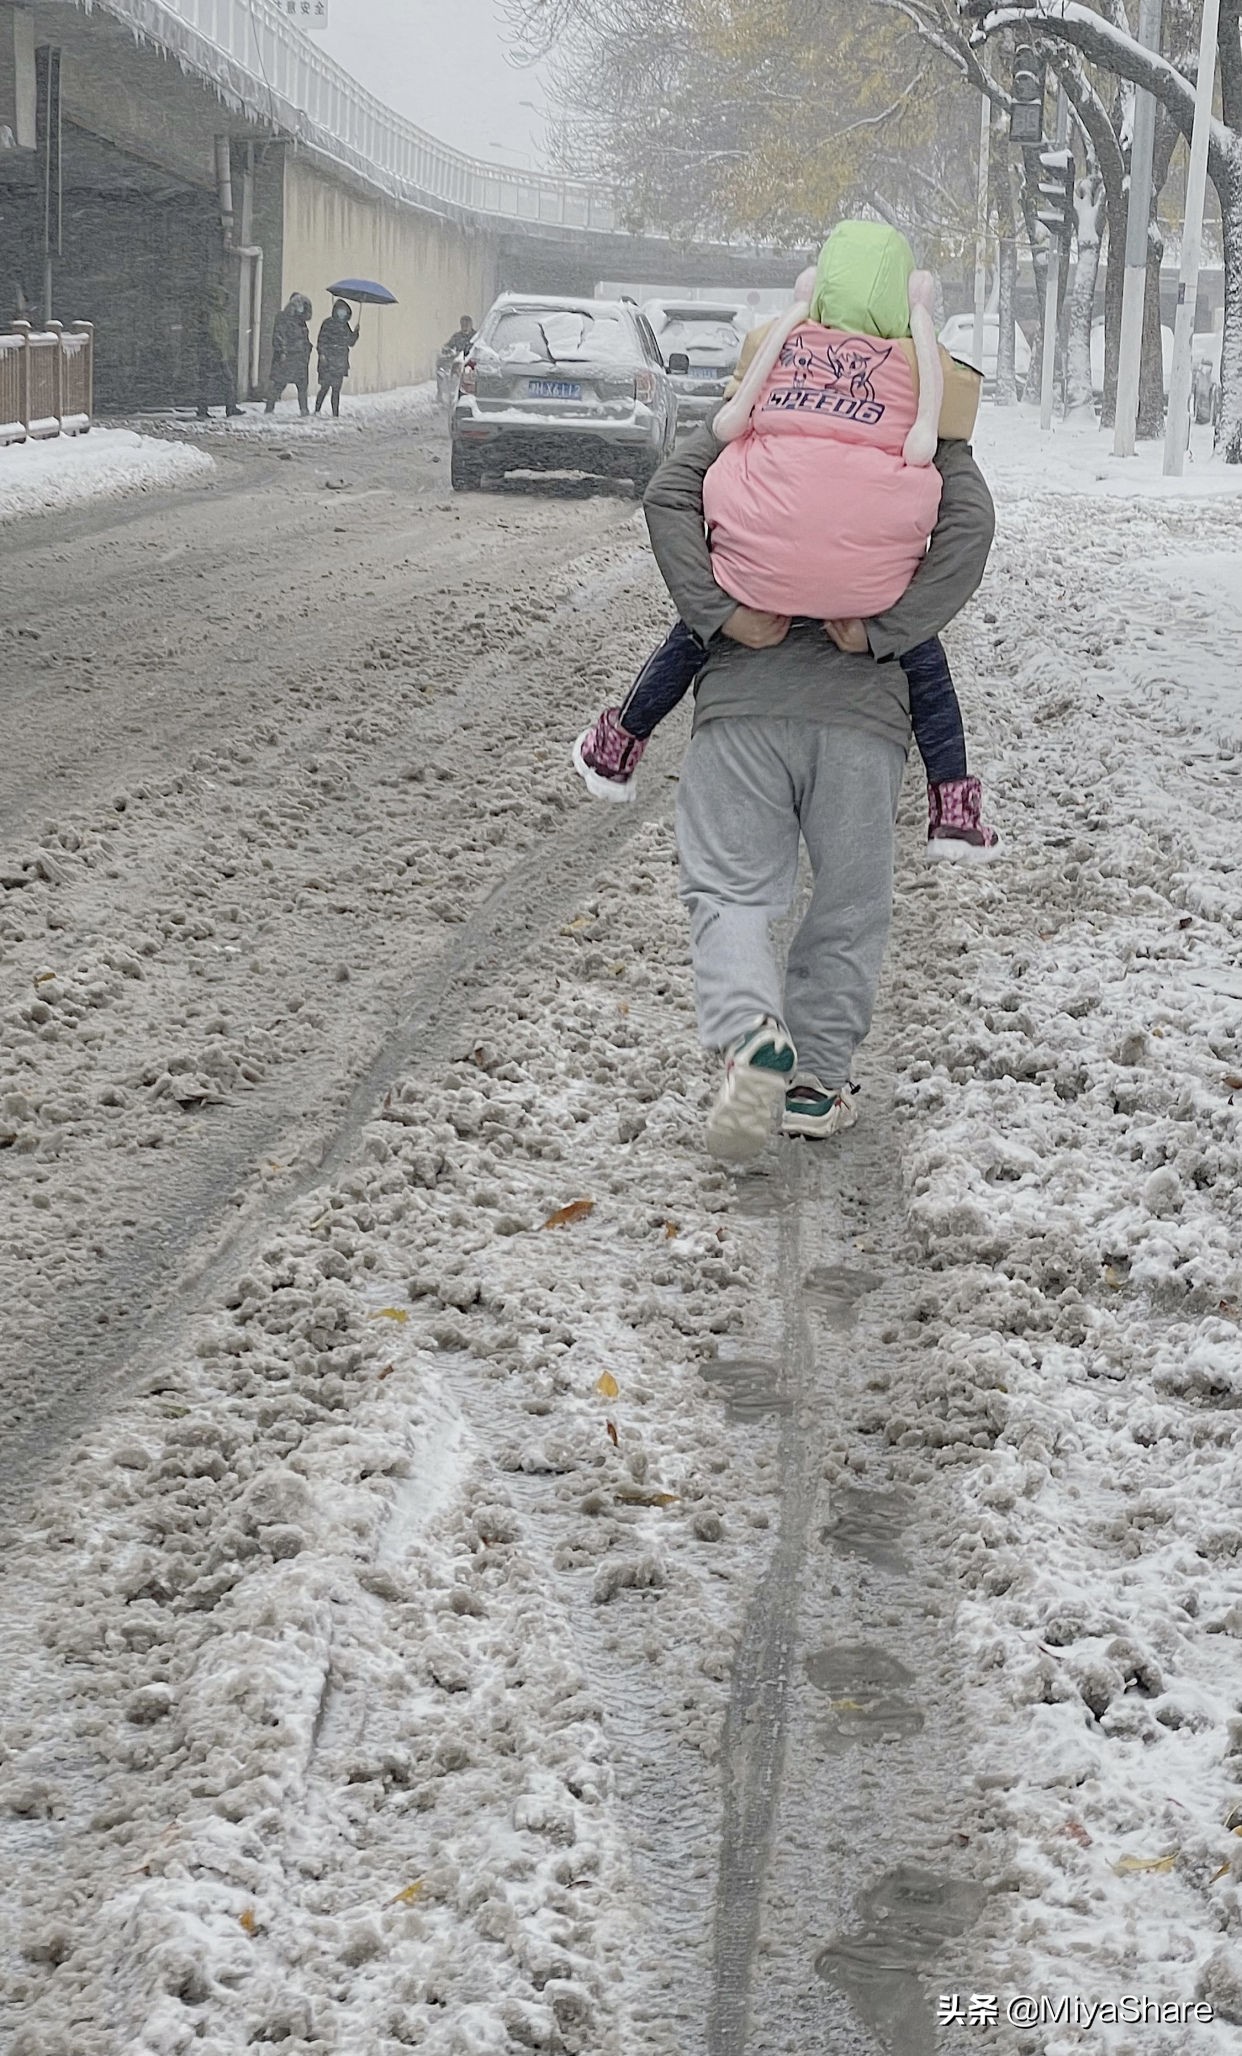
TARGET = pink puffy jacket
x,y
813,510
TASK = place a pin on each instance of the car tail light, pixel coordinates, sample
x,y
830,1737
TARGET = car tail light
x,y
645,387
469,379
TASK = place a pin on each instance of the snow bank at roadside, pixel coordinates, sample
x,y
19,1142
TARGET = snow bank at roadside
x,y
402,406
107,464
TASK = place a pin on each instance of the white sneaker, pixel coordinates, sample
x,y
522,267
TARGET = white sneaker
x,y
758,1068
812,1110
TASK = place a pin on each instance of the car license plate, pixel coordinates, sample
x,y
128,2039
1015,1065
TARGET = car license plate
x,y
553,389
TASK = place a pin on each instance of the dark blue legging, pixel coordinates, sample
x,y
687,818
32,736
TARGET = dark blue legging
x,y
935,716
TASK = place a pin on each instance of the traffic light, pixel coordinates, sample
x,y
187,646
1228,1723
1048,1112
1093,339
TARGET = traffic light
x,y
1026,113
1056,192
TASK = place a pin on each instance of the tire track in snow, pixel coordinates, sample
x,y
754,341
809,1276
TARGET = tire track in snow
x,y
756,1724
844,1899
510,923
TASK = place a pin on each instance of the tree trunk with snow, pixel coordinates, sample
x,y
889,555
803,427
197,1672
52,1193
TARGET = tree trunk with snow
x,y
1150,425
1114,287
1106,40
1230,190
1089,218
1038,240
1006,286
1007,319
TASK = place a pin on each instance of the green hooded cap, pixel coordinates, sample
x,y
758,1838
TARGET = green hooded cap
x,y
862,280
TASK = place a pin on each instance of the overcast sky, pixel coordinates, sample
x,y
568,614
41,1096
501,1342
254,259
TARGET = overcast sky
x,y
442,63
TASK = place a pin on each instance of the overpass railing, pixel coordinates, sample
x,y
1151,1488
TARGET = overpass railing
x,y
260,61
46,380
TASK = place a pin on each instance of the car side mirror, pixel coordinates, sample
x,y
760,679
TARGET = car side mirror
x,y
679,364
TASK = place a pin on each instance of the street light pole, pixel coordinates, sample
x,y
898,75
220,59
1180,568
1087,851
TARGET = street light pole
x,y
981,229
1138,223
1177,424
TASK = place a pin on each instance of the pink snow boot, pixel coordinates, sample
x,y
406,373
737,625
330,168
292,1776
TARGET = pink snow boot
x,y
606,756
956,829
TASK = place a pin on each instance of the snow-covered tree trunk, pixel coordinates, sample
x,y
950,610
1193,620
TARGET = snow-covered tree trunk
x,y
1150,424
1230,191
1006,285
1114,286
1038,240
1089,220
1106,40
1103,128
1007,319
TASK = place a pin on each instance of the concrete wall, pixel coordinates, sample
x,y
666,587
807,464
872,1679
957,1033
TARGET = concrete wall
x,y
436,269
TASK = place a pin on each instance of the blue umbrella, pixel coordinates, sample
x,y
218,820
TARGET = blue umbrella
x,y
364,291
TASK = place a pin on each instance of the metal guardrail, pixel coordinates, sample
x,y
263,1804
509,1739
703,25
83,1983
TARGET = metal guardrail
x,y
46,380
256,57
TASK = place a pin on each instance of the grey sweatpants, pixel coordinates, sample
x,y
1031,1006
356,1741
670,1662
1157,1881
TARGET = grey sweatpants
x,y
748,789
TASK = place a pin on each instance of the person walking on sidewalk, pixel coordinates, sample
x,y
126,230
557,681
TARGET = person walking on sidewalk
x,y
291,353
215,352
335,341
800,731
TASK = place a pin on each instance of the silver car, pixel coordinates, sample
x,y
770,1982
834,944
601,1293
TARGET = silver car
x,y
700,345
558,384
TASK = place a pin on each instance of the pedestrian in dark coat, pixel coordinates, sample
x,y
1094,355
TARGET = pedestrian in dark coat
x,y
291,352
335,341
216,350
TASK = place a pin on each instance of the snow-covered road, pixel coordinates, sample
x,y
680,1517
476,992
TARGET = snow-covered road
x,y
741,1617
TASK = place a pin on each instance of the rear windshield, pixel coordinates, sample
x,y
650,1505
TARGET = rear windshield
x,y
717,340
559,335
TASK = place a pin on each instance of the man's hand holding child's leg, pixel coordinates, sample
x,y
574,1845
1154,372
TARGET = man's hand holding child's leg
x,y
759,631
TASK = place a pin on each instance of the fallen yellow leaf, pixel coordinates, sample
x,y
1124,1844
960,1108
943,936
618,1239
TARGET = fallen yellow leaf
x,y
391,1313
407,1895
577,1210
579,922
1217,1875
635,1496
247,1920
1130,1866
671,1229
608,1385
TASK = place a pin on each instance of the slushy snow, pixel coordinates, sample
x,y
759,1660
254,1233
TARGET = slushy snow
x,y
323,1646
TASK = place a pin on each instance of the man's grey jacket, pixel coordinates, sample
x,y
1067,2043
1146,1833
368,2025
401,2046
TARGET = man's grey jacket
x,y
806,677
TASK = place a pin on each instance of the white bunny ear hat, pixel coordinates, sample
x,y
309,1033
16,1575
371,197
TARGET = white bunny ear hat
x,y
920,445
919,448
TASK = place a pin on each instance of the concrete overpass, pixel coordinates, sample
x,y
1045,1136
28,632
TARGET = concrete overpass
x,y
213,159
